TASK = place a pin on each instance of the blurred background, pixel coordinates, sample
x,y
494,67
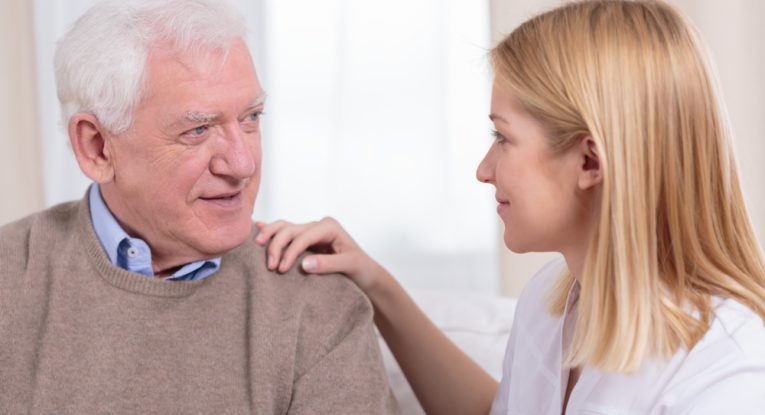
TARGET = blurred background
x,y
377,116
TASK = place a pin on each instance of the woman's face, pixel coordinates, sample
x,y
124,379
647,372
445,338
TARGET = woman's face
x,y
538,193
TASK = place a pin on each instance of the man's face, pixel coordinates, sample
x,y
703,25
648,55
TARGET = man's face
x,y
187,172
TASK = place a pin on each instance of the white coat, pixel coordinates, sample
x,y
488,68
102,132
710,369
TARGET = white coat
x,y
722,374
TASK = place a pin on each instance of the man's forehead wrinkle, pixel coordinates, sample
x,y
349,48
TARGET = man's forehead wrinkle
x,y
196,61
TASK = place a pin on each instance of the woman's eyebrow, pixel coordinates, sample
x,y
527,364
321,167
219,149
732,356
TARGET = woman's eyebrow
x,y
494,116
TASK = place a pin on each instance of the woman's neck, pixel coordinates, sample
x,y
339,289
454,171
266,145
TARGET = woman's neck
x,y
575,259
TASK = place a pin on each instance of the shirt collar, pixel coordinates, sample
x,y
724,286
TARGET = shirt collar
x,y
109,232
117,243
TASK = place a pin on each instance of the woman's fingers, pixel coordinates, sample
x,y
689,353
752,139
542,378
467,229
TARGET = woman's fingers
x,y
328,264
314,235
267,230
287,241
356,265
335,250
280,234
283,238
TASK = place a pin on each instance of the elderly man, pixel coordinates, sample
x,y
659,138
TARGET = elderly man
x,y
150,295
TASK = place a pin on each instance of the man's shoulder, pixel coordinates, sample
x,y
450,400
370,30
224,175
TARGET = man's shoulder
x,y
62,214
36,232
330,294
317,311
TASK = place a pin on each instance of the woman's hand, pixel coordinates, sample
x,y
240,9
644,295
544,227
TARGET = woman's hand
x,y
335,250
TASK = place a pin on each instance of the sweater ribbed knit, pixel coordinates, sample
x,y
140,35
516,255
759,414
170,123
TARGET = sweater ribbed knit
x,y
81,336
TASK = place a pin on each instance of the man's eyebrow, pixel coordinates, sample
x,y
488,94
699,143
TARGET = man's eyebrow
x,y
200,117
259,100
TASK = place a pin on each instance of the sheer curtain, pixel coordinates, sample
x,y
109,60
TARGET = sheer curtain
x,y
733,31
20,179
377,115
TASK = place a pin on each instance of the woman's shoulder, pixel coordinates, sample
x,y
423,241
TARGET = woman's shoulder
x,y
739,326
736,336
727,367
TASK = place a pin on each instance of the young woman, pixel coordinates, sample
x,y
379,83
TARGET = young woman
x,y
611,148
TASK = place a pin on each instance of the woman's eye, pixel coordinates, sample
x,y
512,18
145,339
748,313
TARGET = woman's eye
x,y
499,138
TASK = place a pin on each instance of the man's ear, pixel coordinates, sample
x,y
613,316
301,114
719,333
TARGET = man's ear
x,y
590,173
88,138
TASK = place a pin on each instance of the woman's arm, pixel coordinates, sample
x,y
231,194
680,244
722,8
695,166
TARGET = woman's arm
x,y
444,379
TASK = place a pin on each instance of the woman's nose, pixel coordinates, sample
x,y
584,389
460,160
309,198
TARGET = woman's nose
x,y
485,171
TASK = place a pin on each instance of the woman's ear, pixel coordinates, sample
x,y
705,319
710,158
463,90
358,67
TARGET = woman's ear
x,y
87,136
590,173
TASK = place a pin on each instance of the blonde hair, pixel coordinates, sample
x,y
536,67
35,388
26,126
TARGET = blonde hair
x,y
673,230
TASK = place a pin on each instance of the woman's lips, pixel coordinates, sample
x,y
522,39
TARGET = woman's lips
x,y
502,206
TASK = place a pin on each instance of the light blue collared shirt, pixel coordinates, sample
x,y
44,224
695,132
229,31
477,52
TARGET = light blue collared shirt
x,y
133,254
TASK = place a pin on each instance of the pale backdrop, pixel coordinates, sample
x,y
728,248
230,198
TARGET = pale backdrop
x,y
20,172
732,29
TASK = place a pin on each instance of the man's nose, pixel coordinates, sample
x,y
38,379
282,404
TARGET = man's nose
x,y
236,157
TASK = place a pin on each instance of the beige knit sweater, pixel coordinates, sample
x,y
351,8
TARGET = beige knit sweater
x,y
81,336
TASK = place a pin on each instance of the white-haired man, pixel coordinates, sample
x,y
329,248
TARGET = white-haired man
x,y
150,295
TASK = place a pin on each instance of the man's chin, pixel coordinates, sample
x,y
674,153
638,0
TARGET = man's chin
x,y
228,241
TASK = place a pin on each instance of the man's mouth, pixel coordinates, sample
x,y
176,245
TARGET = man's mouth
x,y
222,196
227,200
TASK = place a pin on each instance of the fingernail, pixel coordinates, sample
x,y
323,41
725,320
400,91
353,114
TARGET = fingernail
x,y
309,264
271,262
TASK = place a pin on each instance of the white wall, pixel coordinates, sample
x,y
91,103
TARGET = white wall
x,y
20,179
377,115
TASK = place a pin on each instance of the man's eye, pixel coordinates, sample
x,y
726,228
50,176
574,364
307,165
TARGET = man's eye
x,y
254,116
197,132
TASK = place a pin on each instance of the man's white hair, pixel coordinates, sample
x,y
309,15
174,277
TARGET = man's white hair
x,y
101,61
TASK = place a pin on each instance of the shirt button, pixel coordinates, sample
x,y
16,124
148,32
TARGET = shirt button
x,y
132,252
